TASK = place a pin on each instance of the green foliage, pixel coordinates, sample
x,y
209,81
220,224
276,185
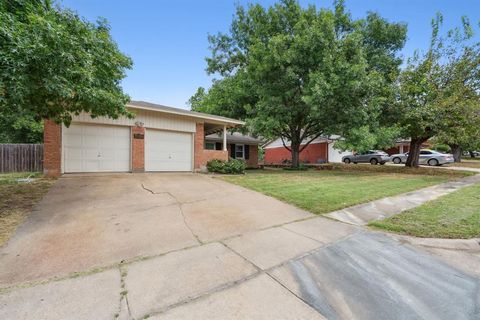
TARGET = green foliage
x,y
438,93
232,166
441,147
261,153
299,73
55,64
366,138
20,128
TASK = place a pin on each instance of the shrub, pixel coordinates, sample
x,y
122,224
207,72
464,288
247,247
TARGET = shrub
x,y
232,166
441,147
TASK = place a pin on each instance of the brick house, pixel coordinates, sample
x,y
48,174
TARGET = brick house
x,y
159,138
239,146
320,150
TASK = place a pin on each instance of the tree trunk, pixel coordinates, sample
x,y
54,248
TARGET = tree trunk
x,y
414,152
456,151
295,150
472,155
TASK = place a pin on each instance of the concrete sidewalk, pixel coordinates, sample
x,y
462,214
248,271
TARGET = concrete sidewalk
x,y
362,214
321,269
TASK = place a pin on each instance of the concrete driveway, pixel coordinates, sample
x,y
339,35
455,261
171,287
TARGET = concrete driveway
x,y
93,221
185,246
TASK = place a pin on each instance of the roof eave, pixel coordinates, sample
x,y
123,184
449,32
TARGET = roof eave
x,y
211,118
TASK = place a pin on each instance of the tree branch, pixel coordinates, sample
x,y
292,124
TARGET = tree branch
x,y
306,144
283,141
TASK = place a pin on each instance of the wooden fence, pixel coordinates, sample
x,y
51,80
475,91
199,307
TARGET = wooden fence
x,y
21,157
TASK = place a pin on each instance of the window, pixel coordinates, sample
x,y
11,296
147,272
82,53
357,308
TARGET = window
x,y
213,145
239,151
425,152
209,145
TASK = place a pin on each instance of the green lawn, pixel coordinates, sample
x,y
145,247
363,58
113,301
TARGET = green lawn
x,y
456,215
17,200
322,191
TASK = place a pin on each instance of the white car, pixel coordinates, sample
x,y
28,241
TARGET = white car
x,y
427,156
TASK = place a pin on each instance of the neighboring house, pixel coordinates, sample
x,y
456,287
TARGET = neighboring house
x,y
401,146
159,138
319,150
239,146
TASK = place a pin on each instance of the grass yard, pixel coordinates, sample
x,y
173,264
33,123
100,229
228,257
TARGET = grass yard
x,y
17,200
456,215
322,191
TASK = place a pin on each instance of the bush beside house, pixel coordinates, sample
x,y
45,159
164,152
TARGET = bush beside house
x,y
232,166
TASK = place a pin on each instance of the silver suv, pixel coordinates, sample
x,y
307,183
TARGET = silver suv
x,y
371,156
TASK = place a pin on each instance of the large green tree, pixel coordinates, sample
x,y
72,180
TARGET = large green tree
x,y
438,93
54,64
462,131
298,73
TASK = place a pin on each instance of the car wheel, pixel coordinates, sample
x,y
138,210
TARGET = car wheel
x,y
433,162
373,161
346,161
397,160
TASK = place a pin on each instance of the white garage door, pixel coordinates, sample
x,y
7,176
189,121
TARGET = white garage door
x,y
168,151
335,155
96,148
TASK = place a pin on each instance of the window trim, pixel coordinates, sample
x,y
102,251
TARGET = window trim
x,y
243,151
211,143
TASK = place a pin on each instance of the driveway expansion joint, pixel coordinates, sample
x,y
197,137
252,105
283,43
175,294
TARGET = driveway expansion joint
x,y
204,294
299,297
122,268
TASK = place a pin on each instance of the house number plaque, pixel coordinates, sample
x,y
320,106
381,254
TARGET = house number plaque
x,y
138,136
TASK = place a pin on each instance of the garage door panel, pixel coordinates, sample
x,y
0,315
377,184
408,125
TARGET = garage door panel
x,y
94,148
89,166
168,151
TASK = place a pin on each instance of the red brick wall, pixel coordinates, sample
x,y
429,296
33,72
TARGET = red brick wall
x,y
396,149
311,154
213,154
252,161
198,146
138,150
202,156
393,150
52,148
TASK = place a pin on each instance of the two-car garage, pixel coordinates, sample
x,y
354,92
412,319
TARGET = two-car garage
x,y
107,148
151,138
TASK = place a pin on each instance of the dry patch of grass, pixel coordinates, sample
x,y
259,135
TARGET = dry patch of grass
x,y
466,164
395,170
17,200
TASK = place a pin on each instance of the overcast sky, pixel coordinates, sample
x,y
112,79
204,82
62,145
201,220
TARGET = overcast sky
x,y
167,39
